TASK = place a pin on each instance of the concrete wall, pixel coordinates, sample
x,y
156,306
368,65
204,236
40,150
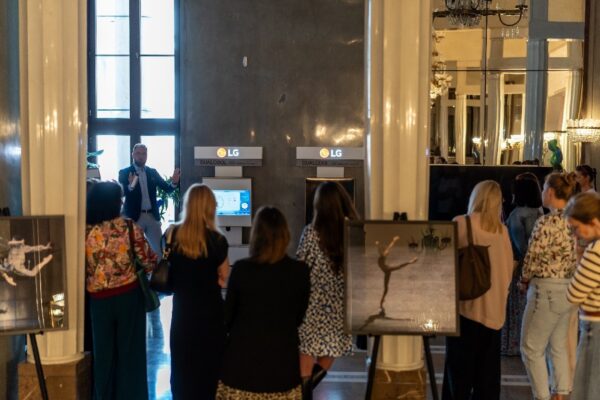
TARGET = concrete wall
x,y
11,347
303,86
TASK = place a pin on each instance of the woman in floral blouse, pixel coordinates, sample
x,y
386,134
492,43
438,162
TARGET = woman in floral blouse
x,y
547,268
116,302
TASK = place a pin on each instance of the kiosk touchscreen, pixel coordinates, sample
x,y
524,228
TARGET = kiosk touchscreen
x,y
234,200
311,188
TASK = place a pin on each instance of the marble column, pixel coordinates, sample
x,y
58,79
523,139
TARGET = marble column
x,y
460,128
53,90
397,139
443,125
536,88
495,117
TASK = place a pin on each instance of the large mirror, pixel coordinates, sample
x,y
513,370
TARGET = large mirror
x,y
480,70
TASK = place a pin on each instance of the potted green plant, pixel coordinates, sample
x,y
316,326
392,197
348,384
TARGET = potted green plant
x,y
93,169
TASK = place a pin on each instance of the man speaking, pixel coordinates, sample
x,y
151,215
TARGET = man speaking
x,y
139,184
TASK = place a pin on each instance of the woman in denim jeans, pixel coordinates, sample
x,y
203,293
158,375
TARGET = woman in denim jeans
x,y
583,214
547,268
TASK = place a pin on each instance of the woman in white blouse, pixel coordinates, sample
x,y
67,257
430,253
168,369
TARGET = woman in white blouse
x,y
547,268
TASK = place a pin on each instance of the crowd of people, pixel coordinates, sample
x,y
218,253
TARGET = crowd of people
x,y
291,306
544,261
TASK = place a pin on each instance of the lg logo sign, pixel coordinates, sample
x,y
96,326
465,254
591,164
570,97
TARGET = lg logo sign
x,y
330,153
222,152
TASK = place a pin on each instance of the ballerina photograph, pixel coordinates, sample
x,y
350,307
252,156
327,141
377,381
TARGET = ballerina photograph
x,y
401,277
32,273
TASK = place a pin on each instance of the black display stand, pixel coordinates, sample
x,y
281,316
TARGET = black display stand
x,y
38,366
430,369
428,360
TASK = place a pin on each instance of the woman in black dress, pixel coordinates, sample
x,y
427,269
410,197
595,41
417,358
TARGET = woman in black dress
x,y
199,269
267,296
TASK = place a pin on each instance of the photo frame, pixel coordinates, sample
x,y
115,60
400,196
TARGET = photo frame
x,y
401,278
33,283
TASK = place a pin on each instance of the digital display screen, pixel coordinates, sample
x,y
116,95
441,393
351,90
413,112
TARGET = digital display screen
x,y
233,202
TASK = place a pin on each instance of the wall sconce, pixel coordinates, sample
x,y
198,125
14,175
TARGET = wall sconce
x,y
516,139
583,130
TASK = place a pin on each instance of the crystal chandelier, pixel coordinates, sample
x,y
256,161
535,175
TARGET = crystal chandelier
x,y
468,13
583,130
464,12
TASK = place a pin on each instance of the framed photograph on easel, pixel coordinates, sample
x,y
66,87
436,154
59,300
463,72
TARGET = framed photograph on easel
x,y
32,274
401,278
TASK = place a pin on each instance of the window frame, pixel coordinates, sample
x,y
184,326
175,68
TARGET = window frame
x,y
135,127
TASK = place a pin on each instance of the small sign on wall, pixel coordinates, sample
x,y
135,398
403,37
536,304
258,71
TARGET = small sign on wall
x,y
228,155
329,156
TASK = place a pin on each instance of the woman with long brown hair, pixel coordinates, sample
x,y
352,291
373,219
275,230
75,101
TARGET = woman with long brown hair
x,y
322,336
267,296
199,269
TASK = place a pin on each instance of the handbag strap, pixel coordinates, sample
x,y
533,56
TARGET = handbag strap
x,y
168,241
131,244
469,230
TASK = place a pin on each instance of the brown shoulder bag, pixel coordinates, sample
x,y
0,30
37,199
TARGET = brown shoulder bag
x,y
474,275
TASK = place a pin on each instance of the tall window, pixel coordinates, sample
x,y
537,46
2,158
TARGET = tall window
x,y
133,83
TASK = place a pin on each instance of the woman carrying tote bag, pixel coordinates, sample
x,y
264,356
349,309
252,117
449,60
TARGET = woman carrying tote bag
x,y
472,368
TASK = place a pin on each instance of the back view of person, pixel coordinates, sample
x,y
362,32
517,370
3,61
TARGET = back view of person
x,y
527,199
199,268
547,268
267,296
472,368
117,308
322,336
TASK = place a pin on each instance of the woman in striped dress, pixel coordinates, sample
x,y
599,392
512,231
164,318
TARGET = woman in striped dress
x,y
583,213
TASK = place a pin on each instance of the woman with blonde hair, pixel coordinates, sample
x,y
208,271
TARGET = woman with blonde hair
x,y
267,296
583,215
199,269
547,269
472,368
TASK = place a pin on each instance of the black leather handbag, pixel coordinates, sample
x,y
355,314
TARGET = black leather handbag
x,y
474,275
159,280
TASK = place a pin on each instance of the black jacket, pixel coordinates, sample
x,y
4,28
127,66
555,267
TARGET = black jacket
x,y
133,198
265,304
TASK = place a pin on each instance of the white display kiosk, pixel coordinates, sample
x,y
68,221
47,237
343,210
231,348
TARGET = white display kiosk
x,y
232,190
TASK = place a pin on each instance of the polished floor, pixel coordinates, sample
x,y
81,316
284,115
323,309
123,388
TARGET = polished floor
x,y
346,381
